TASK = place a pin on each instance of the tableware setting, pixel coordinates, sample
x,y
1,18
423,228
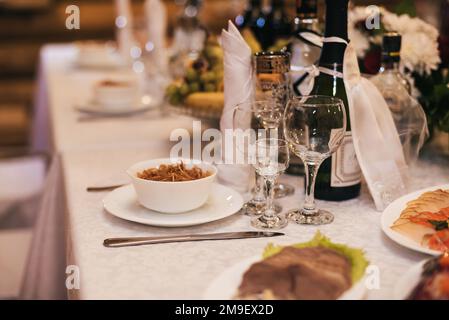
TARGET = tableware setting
x,y
117,97
294,175
149,199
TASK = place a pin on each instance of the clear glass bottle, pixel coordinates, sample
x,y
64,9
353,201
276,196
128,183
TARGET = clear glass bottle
x,y
189,37
391,58
408,115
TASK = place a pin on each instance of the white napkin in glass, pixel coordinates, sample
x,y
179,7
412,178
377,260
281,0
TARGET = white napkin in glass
x,y
238,88
156,20
124,24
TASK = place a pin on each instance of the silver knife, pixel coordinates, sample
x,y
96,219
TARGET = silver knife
x,y
137,241
104,188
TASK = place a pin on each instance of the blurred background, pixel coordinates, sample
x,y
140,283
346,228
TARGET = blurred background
x,y
25,25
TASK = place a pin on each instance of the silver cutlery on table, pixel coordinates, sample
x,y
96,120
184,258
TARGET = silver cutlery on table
x,y
104,188
137,241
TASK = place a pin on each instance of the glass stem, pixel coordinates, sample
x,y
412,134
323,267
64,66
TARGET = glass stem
x,y
270,213
259,188
311,169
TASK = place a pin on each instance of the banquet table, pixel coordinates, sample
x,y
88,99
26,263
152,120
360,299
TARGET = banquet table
x,y
184,270
95,153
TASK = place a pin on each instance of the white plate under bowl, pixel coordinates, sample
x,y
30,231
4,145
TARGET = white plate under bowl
x,y
408,281
96,109
225,286
223,202
393,211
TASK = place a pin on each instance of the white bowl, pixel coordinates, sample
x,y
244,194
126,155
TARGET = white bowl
x,y
123,94
172,197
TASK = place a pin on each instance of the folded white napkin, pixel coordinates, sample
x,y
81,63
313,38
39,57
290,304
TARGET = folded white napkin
x,y
124,23
238,88
156,19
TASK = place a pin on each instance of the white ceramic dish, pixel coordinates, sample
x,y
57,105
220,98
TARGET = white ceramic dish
x,y
95,109
116,96
172,197
225,286
408,281
393,211
222,203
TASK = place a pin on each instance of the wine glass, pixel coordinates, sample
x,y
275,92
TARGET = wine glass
x,y
314,127
271,158
258,116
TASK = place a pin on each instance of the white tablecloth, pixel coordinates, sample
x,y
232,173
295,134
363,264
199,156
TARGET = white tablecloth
x,y
184,270
91,152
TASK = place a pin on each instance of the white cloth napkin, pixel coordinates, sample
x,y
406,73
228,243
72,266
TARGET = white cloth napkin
x,y
376,140
156,19
125,38
238,88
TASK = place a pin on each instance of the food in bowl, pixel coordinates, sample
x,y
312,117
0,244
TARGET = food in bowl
x,y
172,196
173,173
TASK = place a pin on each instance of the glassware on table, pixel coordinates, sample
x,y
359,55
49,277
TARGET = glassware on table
x,y
151,74
259,116
273,83
314,127
271,158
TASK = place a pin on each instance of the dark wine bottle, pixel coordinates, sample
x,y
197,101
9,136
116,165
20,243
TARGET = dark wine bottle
x,y
279,21
243,20
339,176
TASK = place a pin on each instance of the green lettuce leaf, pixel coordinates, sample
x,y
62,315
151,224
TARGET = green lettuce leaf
x,y
355,256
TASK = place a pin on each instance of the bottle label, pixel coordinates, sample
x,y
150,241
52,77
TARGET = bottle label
x,y
345,167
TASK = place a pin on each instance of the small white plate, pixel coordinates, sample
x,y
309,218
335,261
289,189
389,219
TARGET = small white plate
x,y
223,202
393,211
226,285
408,281
96,109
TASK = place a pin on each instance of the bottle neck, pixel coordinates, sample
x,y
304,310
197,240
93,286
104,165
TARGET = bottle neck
x,y
306,15
332,54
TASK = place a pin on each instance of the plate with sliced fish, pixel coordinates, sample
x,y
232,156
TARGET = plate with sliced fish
x,y
315,270
419,221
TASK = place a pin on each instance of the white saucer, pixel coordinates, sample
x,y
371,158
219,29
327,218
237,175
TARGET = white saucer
x,y
226,285
223,202
97,109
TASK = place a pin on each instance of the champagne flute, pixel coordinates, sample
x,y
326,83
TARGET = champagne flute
x,y
271,158
314,127
251,120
